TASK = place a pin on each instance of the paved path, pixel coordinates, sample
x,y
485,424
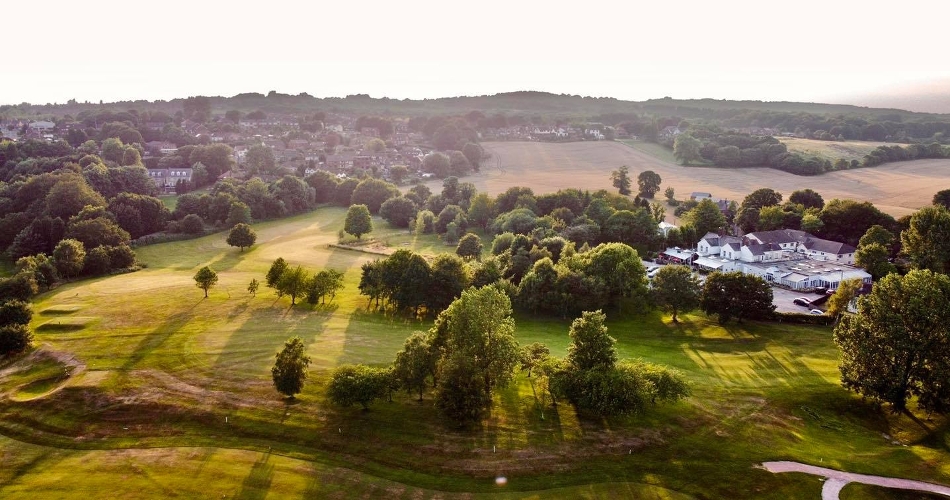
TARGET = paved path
x,y
837,480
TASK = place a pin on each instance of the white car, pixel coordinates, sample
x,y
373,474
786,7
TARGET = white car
x,y
817,311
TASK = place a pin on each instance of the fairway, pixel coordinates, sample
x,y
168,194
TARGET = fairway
x,y
141,385
896,188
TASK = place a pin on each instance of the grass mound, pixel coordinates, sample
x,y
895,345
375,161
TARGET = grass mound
x,y
64,325
60,310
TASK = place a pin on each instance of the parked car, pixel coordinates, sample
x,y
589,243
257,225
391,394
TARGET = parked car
x,y
817,311
821,290
802,301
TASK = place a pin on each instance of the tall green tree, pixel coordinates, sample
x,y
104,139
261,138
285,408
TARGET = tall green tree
x,y
415,363
205,279
469,247
927,241
591,347
277,268
241,235
620,179
69,257
358,221
290,368
480,351
293,282
686,148
736,295
649,183
676,289
705,217
896,346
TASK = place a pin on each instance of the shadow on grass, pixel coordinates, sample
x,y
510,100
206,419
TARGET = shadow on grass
x,y
158,336
258,481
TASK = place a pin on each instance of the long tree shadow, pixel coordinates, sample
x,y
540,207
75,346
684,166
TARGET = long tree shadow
x,y
159,336
259,479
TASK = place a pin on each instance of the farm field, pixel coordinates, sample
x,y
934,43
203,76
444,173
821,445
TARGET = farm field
x,y
143,388
896,188
832,150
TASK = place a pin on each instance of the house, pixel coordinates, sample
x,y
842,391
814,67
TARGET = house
x,y
670,132
804,243
166,178
677,255
712,243
42,127
161,148
697,195
664,228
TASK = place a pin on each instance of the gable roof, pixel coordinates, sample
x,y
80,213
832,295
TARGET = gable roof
x,y
780,236
828,246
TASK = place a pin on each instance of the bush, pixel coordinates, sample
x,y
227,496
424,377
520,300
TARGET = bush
x,y
22,286
803,319
97,261
15,312
192,224
121,257
14,338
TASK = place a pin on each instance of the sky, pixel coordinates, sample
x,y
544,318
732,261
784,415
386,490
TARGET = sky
x,y
815,51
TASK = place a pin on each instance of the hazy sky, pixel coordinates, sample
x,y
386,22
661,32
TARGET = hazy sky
x,y
830,51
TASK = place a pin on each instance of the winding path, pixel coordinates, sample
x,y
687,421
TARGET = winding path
x,y
837,480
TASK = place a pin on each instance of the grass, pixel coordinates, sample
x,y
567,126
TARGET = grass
x,y
832,150
659,151
175,393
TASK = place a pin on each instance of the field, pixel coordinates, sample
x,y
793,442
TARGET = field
x,y
832,150
142,388
896,188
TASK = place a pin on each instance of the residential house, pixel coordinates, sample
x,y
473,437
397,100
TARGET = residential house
x,y
670,132
697,195
166,178
42,127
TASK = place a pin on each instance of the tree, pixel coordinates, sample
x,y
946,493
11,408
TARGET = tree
x,y
877,234
591,347
637,229
649,183
205,279
896,346
621,180
474,153
69,195
293,282
398,173
762,197
927,241
290,368
14,338
480,351
352,384
670,194
676,290
705,217
398,211
324,283
373,193
260,160
239,213
252,287
241,236
807,198
532,356
942,198
874,258
276,270
848,220
448,276
736,295
415,363
98,231
771,218
846,292
139,214
15,312
437,164
69,257
469,247
686,148
358,221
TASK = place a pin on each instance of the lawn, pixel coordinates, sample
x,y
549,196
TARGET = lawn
x,y
658,151
142,386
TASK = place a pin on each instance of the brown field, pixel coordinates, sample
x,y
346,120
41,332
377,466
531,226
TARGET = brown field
x,y
896,188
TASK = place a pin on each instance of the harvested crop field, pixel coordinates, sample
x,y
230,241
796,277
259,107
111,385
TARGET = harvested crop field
x,y
896,188
832,150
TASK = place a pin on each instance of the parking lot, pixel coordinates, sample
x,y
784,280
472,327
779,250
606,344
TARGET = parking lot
x,y
783,300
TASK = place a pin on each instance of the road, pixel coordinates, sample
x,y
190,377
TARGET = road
x,y
837,480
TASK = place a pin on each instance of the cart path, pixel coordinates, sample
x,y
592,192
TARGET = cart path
x,y
837,480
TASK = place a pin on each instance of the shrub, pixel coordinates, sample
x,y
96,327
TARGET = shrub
x,y
192,224
14,338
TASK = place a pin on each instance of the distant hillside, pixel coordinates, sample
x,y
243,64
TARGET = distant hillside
x,y
527,103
